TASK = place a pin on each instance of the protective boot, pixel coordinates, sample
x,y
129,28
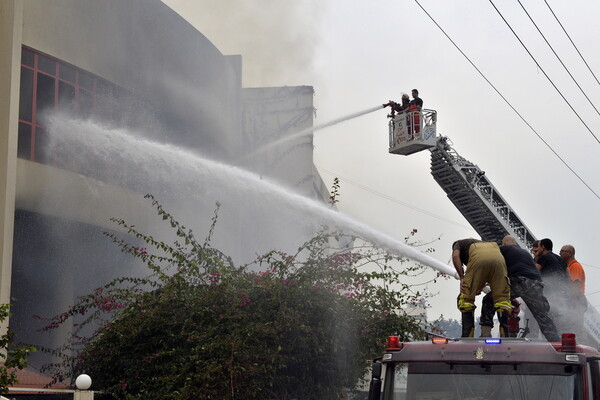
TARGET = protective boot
x,y
503,322
486,331
468,324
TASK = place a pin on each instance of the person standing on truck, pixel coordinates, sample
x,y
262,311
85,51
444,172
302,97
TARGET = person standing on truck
x,y
574,268
577,275
553,270
526,283
485,265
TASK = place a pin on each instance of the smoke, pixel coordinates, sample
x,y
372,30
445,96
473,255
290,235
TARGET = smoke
x,y
564,310
276,38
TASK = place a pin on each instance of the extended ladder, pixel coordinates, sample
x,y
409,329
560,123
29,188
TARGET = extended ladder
x,y
475,197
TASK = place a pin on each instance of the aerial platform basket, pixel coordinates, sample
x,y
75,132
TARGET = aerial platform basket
x,y
412,131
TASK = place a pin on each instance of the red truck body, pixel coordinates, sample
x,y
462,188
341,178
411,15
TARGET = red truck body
x,y
492,369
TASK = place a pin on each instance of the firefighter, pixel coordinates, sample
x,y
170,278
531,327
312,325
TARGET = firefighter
x,y
398,107
557,285
485,265
526,283
414,108
578,299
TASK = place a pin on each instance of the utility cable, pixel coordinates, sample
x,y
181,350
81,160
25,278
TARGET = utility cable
x,y
578,52
542,69
559,59
408,205
589,265
509,104
390,198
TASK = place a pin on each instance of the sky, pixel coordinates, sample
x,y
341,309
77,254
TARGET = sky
x,y
358,54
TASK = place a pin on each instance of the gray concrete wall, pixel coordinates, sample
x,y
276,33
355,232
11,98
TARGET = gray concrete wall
x,y
11,12
143,46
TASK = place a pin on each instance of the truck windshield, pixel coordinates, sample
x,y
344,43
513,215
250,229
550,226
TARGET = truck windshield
x,y
432,381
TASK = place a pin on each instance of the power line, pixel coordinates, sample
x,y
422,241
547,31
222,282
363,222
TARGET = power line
x,y
565,31
559,59
542,69
390,198
508,103
408,205
589,294
591,266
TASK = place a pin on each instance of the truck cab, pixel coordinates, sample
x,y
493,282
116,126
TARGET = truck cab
x,y
486,368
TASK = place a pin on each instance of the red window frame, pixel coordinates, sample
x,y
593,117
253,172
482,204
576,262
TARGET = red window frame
x,y
84,85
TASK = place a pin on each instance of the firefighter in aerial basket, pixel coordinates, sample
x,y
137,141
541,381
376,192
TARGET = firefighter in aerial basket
x,y
485,266
398,107
414,110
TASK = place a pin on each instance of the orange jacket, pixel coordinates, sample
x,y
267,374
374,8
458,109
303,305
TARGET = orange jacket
x,y
577,274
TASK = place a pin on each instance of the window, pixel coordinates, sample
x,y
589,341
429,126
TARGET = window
x,y
447,380
26,100
48,84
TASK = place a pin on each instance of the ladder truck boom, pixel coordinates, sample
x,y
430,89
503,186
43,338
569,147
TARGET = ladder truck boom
x,y
465,183
472,193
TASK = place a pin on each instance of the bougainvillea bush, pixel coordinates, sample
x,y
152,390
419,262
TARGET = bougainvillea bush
x,y
286,326
12,358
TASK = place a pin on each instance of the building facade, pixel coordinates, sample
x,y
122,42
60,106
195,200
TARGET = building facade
x,y
156,90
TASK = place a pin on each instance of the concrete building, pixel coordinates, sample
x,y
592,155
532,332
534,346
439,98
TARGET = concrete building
x,y
417,309
125,66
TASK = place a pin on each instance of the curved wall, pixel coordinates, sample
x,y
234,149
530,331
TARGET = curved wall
x,y
147,48
142,46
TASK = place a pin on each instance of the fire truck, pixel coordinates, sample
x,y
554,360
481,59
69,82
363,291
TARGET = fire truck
x,y
490,369
478,368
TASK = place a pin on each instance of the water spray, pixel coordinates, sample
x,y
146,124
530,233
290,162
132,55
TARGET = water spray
x,y
309,131
99,146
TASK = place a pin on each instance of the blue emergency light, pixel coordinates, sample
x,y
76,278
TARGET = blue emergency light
x,y
493,341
